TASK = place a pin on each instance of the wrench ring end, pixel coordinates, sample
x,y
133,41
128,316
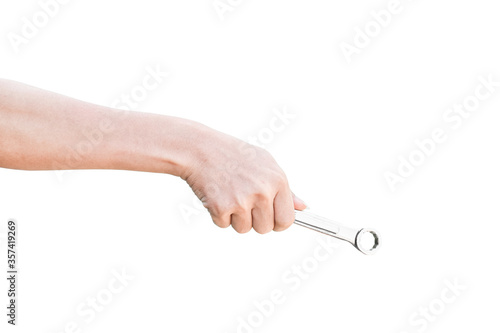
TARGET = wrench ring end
x,y
359,244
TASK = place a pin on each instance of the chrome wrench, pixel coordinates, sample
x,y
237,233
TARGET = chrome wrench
x,y
331,228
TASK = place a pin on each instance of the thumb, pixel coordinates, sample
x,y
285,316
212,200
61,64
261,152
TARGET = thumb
x,y
298,203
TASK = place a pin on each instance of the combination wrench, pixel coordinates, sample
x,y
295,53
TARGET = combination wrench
x,y
331,228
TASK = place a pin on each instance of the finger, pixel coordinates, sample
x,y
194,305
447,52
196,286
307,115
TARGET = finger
x,y
298,203
221,220
242,222
263,217
284,213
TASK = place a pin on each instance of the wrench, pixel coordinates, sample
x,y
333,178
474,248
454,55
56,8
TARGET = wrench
x,y
331,228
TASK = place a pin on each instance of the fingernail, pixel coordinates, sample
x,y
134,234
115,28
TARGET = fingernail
x,y
301,201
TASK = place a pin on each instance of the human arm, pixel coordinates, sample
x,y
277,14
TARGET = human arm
x,y
239,184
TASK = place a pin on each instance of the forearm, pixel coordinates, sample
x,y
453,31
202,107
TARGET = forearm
x,y
40,130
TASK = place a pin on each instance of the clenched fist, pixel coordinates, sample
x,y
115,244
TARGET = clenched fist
x,y
241,184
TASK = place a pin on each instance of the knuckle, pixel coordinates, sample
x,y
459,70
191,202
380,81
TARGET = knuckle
x,y
219,216
220,209
238,207
216,210
263,199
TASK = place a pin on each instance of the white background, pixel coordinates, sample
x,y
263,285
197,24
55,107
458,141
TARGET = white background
x,y
352,122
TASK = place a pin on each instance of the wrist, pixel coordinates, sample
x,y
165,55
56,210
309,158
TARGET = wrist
x,y
189,147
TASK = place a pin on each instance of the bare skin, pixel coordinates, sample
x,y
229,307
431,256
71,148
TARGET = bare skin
x,y
240,184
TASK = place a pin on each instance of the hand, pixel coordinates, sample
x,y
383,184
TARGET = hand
x,y
240,184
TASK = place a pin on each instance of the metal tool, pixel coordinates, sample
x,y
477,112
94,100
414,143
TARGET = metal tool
x,y
331,228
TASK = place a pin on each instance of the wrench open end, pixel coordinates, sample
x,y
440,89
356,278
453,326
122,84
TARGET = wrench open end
x,y
367,241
